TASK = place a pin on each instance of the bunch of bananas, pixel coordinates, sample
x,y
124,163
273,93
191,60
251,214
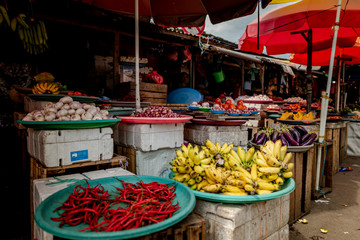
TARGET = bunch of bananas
x,y
238,172
4,17
45,88
32,33
44,77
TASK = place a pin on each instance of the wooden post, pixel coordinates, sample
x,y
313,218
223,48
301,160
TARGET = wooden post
x,y
262,78
116,55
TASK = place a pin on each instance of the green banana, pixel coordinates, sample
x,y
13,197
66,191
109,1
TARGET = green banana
x,y
21,34
13,24
21,19
43,30
38,31
5,15
34,33
1,18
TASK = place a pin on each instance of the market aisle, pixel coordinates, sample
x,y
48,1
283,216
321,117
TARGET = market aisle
x,y
339,212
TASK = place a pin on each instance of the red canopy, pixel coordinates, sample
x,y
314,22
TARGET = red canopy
x,y
276,27
350,55
181,12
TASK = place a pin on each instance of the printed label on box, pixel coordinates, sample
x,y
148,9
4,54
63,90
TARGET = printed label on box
x,y
79,155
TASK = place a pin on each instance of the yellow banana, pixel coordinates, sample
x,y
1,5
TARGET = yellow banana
x,y
185,150
287,157
179,153
224,146
235,193
227,149
270,145
190,162
229,188
272,161
202,184
206,161
185,177
262,191
287,174
199,170
193,174
191,182
249,188
290,167
1,18
232,161
283,150
235,182
210,145
261,162
212,188
271,177
227,165
241,153
180,170
249,154
191,152
253,172
269,170
182,160
243,171
217,147
266,186
279,181
277,147
235,155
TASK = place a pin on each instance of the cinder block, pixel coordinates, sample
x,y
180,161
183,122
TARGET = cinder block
x,y
149,137
254,221
198,134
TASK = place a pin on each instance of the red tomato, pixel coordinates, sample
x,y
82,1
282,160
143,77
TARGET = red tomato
x,y
218,101
228,101
70,93
226,106
240,102
232,106
77,93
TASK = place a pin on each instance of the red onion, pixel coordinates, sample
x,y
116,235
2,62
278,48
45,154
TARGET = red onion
x,y
158,112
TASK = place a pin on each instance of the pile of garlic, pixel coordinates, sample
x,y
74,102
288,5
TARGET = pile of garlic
x,y
66,109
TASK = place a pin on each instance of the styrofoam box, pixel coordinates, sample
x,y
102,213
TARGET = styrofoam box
x,y
198,134
31,105
253,221
55,148
149,137
43,188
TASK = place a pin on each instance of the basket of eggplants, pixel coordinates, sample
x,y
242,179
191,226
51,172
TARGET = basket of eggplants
x,y
289,136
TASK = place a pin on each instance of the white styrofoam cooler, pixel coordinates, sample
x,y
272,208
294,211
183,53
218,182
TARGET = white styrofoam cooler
x,y
31,104
55,148
149,137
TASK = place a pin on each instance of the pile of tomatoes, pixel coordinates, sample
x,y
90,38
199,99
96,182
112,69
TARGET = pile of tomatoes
x,y
228,104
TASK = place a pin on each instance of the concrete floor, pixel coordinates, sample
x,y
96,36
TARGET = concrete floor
x,y
338,211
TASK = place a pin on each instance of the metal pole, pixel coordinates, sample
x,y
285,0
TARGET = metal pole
x,y
309,82
137,84
325,97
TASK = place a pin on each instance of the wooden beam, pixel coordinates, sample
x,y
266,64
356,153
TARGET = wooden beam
x,y
262,78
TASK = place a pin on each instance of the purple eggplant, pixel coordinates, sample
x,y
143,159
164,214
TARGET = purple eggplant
x,y
283,140
306,136
256,136
275,136
296,135
261,138
290,139
301,130
310,140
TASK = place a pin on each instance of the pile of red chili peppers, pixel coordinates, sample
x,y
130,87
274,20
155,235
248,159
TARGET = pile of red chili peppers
x,y
146,204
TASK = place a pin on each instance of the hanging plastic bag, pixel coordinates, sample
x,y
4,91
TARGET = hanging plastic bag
x,y
187,54
153,76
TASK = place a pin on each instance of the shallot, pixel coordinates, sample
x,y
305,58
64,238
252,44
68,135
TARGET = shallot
x,y
158,112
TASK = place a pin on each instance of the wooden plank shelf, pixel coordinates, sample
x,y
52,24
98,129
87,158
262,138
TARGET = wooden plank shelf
x,y
223,117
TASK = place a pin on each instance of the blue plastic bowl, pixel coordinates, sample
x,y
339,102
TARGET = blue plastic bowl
x,y
217,111
193,107
233,114
245,114
254,112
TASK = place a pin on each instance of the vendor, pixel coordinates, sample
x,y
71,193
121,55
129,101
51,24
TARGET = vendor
x,y
272,87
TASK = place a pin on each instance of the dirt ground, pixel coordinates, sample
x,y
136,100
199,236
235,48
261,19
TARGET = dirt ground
x,y
338,211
